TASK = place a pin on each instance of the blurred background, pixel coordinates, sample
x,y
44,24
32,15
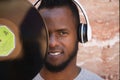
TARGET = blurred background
x,y
101,54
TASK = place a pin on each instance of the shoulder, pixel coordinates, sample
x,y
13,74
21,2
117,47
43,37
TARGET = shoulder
x,y
38,77
87,75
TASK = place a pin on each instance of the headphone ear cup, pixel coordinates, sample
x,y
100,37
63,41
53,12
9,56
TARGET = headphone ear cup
x,y
83,33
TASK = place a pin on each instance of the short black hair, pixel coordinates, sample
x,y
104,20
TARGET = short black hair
x,y
59,3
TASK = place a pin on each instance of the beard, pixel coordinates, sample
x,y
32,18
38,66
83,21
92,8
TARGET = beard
x,y
63,65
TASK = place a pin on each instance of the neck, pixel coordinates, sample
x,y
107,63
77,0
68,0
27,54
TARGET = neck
x,y
69,73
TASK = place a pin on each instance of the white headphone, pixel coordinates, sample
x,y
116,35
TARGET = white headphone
x,y
84,32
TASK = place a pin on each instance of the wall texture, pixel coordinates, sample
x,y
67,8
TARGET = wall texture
x,y
101,54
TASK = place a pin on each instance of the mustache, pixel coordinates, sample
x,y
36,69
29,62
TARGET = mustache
x,y
55,48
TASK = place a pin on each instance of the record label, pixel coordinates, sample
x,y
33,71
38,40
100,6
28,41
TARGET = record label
x,y
7,41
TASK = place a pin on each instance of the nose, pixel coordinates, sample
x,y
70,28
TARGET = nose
x,y
52,41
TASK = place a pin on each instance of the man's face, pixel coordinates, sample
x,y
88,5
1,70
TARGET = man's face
x,y
62,37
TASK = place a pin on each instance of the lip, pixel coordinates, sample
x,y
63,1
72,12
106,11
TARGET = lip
x,y
55,56
54,53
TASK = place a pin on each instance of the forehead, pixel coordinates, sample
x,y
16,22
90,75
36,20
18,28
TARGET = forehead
x,y
56,11
60,16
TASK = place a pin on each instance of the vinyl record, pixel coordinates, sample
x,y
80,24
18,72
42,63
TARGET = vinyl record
x,y
23,40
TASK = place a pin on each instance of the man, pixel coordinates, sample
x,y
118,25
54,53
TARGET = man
x,y
62,20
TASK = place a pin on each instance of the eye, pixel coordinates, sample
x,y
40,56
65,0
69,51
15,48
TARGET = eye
x,y
63,33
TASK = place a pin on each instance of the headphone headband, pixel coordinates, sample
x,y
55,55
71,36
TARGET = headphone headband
x,y
83,10
36,2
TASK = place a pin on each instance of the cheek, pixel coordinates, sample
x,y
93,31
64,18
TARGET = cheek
x,y
69,44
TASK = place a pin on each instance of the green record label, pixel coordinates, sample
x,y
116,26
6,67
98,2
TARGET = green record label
x,y
7,41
